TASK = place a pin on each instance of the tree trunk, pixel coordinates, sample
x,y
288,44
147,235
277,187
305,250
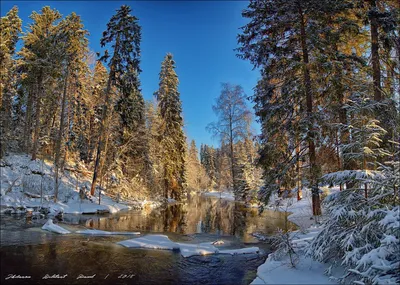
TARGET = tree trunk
x,y
37,116
299,190
60,134
166,184
344,135
231,154
28,123
5,121
376,69
103,159
310,137
102,130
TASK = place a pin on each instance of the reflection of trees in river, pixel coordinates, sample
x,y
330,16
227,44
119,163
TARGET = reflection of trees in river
x,y
239,220
174,218
200,214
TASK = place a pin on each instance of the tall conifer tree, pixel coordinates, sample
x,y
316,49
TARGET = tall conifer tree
x,y
173,140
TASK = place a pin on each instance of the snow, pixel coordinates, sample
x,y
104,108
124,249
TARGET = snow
x,y
222,195
152,242
345,175
51,227
307,271
204,248
90,208
186,249
300,212
23,181
246,250
102,233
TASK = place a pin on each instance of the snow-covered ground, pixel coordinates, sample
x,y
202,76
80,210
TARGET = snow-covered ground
x,y
23,182
300,211
51,227
186,249
307,271
222,195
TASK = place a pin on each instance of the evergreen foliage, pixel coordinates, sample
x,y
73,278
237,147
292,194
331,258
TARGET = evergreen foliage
x,y
173,140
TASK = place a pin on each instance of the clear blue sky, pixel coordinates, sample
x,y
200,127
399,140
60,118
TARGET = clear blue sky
x,y
201,35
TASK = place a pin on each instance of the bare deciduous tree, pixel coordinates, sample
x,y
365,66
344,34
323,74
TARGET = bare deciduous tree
x,y
234,118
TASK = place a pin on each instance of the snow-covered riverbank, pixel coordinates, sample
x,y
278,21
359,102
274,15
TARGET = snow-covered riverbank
x,y
307,271
30,184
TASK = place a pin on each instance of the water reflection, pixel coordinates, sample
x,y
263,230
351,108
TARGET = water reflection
x,y
28,250
73,258
201,215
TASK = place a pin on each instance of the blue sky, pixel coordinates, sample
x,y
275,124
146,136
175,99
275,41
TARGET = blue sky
x,y
200,34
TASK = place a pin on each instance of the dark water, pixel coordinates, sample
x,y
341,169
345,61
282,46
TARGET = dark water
x,y
26,250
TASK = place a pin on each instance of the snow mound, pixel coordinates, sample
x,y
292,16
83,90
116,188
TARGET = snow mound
x,y
51,227
205,248
246,250
151,241
186,249
307,271
101,233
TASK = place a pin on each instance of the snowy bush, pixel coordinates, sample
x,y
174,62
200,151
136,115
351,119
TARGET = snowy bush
x,y
282,242
363,232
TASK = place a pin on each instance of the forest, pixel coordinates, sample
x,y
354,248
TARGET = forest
x,y
327,100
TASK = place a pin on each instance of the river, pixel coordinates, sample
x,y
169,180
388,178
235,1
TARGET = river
x,y
47,258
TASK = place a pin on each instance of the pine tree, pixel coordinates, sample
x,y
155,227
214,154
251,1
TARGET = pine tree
x,y
10,27
123,32
223,171
40,60
197,178
88,109
153,125
208,160
75,49
362,232
173,140
278,40
241,187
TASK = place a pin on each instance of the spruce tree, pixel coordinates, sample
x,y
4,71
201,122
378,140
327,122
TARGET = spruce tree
x,y
173,140
277,40
75,48
124,34
40,61
10,27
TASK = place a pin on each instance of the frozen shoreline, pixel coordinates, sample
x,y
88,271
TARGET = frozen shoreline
x,y
307,271
23,182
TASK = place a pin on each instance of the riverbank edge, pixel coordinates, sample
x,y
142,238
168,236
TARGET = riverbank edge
x,y
28,186
307,270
